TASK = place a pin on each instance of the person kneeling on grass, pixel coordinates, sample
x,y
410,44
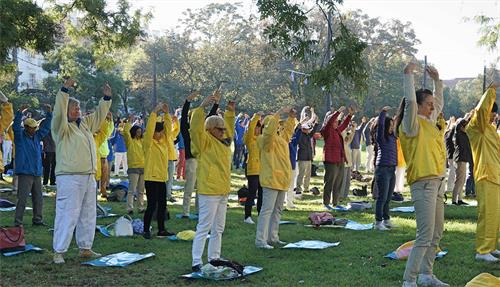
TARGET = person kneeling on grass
x,y
76,165
155,145
275,175
211,145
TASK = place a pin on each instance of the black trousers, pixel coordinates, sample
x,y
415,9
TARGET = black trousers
x,y
49,167
156,195
254,189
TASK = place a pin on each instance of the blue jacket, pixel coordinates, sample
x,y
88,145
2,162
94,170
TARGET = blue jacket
x,y
292,146
356,140
111,155
367,135
28,158
387,152
239,131
180,142
118,141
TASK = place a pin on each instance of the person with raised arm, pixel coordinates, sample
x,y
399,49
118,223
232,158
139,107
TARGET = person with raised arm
x,y
485,144
155,146
422,141
211,145
76,165
274,176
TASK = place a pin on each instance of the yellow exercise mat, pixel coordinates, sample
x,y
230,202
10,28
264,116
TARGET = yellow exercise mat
x,y
484,280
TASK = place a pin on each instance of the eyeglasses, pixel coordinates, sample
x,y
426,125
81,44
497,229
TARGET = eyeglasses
x,y
221,129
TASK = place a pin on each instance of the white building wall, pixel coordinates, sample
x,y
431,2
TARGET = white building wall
x,y
29,66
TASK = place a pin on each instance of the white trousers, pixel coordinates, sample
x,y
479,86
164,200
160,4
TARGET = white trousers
x,y
212,217
356,159
7,151
136,187
120,160
269,216
75,207
290,194
170,181
191,165
400,179
451,175
369,158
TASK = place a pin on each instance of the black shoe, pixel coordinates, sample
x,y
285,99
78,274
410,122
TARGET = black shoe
x,y
164,233
460,202
196,268
147,235
454,203
130,212
41,223
171,199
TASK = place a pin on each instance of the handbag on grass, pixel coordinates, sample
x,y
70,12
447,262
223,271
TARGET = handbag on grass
x,y
12,239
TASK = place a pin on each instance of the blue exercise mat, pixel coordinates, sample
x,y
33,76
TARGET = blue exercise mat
x,y
191,216
29,247
353,225
103,230
439,255
121,259
311,244
284,222
13,208
246,271
406,209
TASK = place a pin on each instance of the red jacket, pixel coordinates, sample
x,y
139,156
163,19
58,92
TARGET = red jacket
x,y
333,150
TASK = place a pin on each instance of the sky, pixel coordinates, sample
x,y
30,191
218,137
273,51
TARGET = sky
x,y
449,42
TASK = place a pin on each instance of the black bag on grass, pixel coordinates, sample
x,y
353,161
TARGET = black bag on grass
x,y
228,263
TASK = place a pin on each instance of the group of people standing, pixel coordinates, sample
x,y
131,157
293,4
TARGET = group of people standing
x,y
276,152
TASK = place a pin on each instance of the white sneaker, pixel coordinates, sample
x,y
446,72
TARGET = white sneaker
x,y
248,220
380,226
430,280
486,257
409,284
58,258
265,246
495,253
387,223
278,242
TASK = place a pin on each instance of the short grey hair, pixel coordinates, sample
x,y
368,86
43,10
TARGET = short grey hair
x,y
213,122
72,102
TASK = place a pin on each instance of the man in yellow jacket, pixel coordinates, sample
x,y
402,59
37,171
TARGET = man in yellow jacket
x,y
485,145
75,171
275,173
211,145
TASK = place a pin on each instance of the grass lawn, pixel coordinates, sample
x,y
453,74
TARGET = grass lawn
x,y
357,261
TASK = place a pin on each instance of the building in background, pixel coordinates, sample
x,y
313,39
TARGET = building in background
x,y
30,74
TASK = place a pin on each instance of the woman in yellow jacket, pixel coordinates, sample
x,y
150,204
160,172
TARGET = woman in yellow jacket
x,y
422,142
485,145
172,157
275,175
155,146
210,143
253,167
135,160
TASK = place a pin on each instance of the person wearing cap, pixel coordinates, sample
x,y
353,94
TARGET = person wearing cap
x,y
155,146
308,127
6,116
485,146
76,165
462,156
275,173
211,145
28,163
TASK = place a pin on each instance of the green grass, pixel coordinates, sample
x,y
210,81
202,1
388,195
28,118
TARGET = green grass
x,y
358,261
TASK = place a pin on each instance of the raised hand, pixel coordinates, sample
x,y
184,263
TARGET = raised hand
x,y
433,73
207,101
231,106
341,109
386,108
106,89
164,108
410,68
69,83
351,110
193,96
157,109
23,108
131,118
217,95
48,108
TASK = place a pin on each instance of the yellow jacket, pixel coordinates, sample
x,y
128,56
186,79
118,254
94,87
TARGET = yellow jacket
x,y
250,140
424,153
135,151
156,152
172,153
104,148
214,157
401,157
75,146
100,137
6,117
484,140
275,166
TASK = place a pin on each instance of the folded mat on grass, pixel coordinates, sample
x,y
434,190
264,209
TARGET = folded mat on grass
x,y
284,222
13,208
121,259
351,225
403,251
311,244
177,187
484,280
190,216
407,209
28,247
225,275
